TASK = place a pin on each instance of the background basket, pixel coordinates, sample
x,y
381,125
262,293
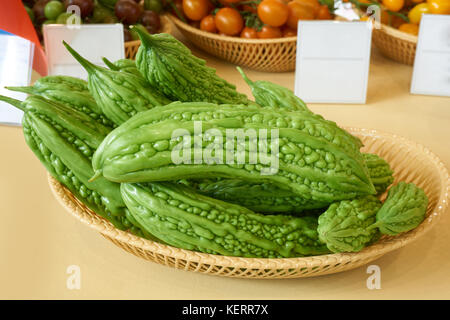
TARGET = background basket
x,y
410,161
395,44
131,47
271,55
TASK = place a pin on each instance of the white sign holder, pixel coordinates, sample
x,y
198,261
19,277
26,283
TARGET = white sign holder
x,y
431,75
333,59
92,41
16,61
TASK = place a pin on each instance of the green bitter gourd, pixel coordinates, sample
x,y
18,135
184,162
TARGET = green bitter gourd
x,y
169,65
380,172
321,167
403,210
64,140
72,92
346,225
120,95
185,219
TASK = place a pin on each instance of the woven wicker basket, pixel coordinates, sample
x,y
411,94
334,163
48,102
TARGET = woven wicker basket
x,y
271,55
395,44
410,161
131,47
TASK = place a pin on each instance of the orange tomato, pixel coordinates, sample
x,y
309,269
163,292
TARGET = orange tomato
x,y
249,33
324,13
394,5
313,4
439,6
274,13
409,28
229,21
288,32
298,11
415,15
268,32
208,24
196,9
396,21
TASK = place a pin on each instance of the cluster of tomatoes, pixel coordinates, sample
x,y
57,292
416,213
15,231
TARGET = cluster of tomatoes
x,y
405,15
253,19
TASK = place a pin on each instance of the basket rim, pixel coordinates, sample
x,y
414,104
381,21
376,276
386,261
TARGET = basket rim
x,y
398,34
375,250
216,37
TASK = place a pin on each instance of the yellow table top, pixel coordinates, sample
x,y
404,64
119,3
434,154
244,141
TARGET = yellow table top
x,y
39,240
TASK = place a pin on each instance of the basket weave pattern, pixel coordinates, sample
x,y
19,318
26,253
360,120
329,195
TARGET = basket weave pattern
x,y
410,161
395,44
270,55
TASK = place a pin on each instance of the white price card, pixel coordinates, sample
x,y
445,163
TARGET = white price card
x,y
332,64
16,61
431,75
92,42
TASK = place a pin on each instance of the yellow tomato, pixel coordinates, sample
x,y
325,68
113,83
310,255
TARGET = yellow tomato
x,y
416,13
394,5
439,6
409,28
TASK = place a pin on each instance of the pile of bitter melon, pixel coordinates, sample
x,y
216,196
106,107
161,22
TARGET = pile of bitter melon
x,y
109,141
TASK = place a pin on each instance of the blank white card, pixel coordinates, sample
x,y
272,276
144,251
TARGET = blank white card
x,y
431,73
92,42
332,64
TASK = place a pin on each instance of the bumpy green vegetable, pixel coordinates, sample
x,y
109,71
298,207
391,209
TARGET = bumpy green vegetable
x,y
380,172
64,140
124,65
403,210
322,168
345,226
69,91
259,197
120,95
187,220
169,65
268,94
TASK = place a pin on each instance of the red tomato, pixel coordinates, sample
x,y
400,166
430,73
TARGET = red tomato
x,y
273,12
229,21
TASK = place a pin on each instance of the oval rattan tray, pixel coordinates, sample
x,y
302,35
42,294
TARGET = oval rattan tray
x,y
270,55
410,161
395,44
131,47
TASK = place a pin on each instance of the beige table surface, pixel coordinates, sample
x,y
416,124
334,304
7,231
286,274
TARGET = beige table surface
x,y
39,239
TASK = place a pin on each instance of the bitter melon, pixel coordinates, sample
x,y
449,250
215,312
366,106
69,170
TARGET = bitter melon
x,y
120,95
345,225
185,219
322,168
64,140
403,210
169,65
69,91
380,172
